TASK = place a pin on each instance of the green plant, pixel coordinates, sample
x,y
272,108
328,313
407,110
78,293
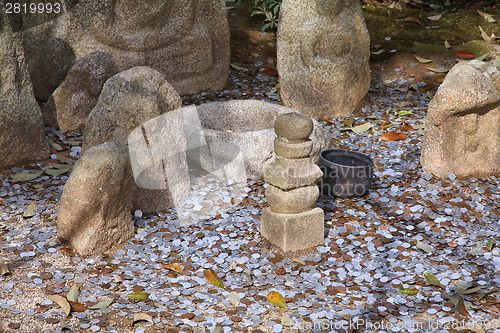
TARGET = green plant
x,y
238,3
270,9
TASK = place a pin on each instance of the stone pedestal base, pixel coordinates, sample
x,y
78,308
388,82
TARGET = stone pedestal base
x,y
293,232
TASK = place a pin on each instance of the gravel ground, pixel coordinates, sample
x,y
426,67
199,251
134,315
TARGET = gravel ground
x,y
367,277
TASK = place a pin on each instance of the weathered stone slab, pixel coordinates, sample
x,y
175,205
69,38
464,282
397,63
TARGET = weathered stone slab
x,y
71,103
292,173
323,56
462,135
22,136
96,203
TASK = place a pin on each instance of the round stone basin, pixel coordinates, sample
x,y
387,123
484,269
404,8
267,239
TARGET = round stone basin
x,y
346,174
249,124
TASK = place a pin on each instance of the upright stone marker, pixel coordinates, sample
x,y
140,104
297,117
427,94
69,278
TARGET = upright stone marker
x,y
22,137
323,56
291,222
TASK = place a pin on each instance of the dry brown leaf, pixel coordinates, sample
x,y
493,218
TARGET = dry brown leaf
x,y
465,55
270,71
413,20
62,302
213,278
461,308
142,317
393,136
4,269
77,307
173,267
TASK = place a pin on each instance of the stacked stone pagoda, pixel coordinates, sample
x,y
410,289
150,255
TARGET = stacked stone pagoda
x,y
292,222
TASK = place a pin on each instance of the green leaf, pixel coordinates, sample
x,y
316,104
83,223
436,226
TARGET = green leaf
x,y
372,116
54,145
408,291
486,293
432,279
59,171
424,247
349,121
286,321
73,293
496,63
361,128
404,113
243,69
447,45
66,160
24,176
484,35
490,244
482,57
423,60
462,287
139,295
375,132
102,305
472,290
30,210
487,17
475,251
439,70
378,52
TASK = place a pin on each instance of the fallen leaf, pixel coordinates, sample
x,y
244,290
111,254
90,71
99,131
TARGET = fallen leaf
x,y
243,69
393,136
439,70
233,298
487,17
54,145
64,326
461,308
432,279
59,171
408,291
298,261
173,267
349,121
486,293
77,307
62,302
30,210
286,321
217,329
275,298
378,52
24,176
142,317
465,54
361,128
73,293
232,265
270,71
435,17
328,121
424,247
66,160
375,132
447,45
484,35
413,20
4,269
462,287
440,78
475,251
490,244
117,278
73,143
423,60
139,295
496,62
2,202
102,305
213,278
404,113
482,57
472,290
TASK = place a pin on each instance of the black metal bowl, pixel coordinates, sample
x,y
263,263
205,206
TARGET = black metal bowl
x,y
346,174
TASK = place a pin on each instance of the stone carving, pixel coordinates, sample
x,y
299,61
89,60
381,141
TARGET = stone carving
x,y
323,56
462,135
71,103
96,203
129,100
22,137
291,222
186,40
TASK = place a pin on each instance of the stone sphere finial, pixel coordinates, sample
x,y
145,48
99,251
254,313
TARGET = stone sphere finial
x,y
293,126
